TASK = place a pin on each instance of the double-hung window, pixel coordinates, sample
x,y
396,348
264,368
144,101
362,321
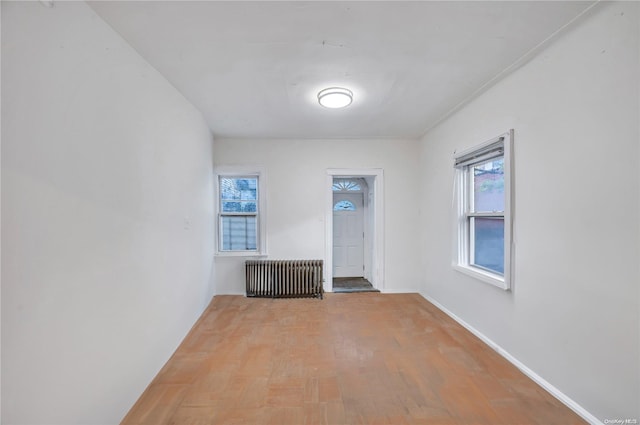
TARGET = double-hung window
x,y
483,213
239,213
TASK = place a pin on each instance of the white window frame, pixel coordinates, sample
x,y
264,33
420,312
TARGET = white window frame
x,y
463,233
239,172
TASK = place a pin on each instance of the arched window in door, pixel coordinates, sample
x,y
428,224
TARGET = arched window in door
x,y
344,206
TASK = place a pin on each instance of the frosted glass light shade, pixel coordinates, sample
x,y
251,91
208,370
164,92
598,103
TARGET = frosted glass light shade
x,y
335,97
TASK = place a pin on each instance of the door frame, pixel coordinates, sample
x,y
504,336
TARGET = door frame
x,y
375,218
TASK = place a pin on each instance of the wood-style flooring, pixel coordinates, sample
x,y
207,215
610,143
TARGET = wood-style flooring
x,y
360,358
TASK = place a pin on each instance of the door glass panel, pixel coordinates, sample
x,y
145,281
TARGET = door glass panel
x,y
344,206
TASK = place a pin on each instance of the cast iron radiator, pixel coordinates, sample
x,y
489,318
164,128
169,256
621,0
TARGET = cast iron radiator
x,y
284,278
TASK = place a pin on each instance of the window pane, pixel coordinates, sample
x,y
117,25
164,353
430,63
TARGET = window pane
x,y
239,189
488,243
344,206
488,186
342,185
239,206
239,233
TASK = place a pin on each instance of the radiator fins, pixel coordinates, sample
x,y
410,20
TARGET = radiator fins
x,y
284,278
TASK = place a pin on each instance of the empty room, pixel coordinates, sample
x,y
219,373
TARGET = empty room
x,y
320,212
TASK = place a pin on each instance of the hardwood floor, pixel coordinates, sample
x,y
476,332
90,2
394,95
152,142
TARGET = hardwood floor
x,y
360,358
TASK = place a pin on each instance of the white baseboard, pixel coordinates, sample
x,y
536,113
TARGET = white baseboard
x,y
571,404
398,291
232,293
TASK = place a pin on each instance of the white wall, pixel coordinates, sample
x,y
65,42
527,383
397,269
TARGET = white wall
x,y
0,222
106,218
296,178
573,315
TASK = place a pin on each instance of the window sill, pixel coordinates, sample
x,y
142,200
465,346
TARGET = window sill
x,y
486,277
240,254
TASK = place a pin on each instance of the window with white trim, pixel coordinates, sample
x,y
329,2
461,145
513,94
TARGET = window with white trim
x,y
483,211
239,215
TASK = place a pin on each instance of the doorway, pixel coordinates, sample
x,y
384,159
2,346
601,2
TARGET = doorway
x,y
354,235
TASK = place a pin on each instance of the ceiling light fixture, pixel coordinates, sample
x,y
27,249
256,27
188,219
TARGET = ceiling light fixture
x,y
335,97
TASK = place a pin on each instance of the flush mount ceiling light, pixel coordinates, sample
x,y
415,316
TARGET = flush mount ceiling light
x,y
335,97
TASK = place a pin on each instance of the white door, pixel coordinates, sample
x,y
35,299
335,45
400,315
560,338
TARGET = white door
x,y
348,235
